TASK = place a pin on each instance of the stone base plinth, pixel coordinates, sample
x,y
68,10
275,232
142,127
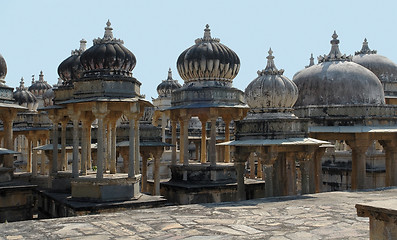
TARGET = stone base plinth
x,y
204,173
107,189
61,182
6,174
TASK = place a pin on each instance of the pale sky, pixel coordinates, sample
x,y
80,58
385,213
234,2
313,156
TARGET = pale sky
x,y
39,35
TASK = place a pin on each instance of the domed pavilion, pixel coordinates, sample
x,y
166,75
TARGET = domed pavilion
x,y
345,102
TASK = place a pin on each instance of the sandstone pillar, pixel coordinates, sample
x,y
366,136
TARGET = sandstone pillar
x,y
290,174
227,138
212,143
113,158
64,159
43,158
34,158
131,153
251,160
390,148
185,141
145,155
359,148
54,163
156,173
84,143
137,147
7,119
100,146
75,160
203,147
318,172
239,163
30,153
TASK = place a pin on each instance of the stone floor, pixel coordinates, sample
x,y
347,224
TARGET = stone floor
x,y
329,215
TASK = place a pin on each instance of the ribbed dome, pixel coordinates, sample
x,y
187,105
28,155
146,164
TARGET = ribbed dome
x,y
24,97
384,68
71,69
336,80
40,86
3,68
208,59
165,88
108,56
271,90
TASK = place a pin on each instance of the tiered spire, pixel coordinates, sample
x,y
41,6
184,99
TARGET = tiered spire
x,y
41,77
169,74
108,36
271,68
311,63
365,49
21,84
334,54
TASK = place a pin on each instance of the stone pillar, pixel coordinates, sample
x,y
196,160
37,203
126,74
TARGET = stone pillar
x,y
75,161
173,148
212,143
145,155
89,150
203,147
268,177
259,169
290,174
84,142
359,148
227,138
318,172
390,148
156,171
34,158
251,160
64,160
108,146
113,157
100,146
54,164
131,153
30,153
185,141
43,158
181,142
239,163
137,147
196,145
163,125
7,119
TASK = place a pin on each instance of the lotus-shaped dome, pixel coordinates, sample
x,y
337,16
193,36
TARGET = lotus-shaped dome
x,y
3,68
24,97
108,56
71,69
165,88
384,68
207,60
335,80
271,90
40,86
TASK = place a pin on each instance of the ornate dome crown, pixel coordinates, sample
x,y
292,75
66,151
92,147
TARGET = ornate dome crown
x,y
108,56
208,59
40,86
165,88
71,69
336,80
24,97
3,69
271,89
384,68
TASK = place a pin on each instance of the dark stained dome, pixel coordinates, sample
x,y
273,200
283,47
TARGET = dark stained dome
x,y
165,88
108,56
40,86
3,68
71,69
208,59
23,96
336,80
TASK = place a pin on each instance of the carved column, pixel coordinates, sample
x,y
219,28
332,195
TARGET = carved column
x,y
34,158
89,150
101,140
113,158
227,138
268,160
84,143
75,160
181,142
290,174
359,148
108,145
239,163
390,148
212,143
137,147
7,118
185,141
64,159
131,153
30,153
156,172
203,147
173,148
43,158
318,171
145,155
54,163
251,160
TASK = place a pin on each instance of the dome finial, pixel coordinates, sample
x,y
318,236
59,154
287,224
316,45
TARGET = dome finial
x,y
21,84
32,79
311,63
41,77
108,31
334,54
365,49
83,45
169,74
207,32
270,67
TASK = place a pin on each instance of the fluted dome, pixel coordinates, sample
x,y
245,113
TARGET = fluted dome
x,y
108,56
3,68
71,69
384,68
271,90
40,86
165,88
24,97
335,80
207,60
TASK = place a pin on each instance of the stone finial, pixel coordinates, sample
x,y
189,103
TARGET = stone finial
x,y
108,36
169,74
365,49
32,79
207,36
108,31
41,77
270,67
59,83
311,63
83,45
21,84
334,54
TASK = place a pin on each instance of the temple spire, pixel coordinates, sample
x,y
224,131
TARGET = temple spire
x,y
41,77
311,63
334,54
270,62
207,32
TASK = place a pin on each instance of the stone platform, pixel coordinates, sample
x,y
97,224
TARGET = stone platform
x,y
329,215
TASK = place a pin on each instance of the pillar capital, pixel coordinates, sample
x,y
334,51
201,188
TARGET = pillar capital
x,y
269,154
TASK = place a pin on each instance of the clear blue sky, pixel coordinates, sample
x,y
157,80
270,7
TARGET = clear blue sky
x,y
39,35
